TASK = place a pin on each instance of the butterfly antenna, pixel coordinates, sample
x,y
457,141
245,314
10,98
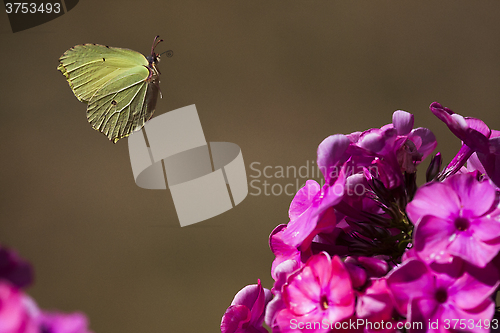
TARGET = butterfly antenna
x,y
156,41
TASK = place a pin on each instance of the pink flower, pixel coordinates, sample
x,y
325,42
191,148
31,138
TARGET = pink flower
x,y
16,314
401,146
14,269
472,131
446,292
280,274
283,252
246,313
476,137
320,292
487,164
311,212
458,217
376,305
412,146
20,314
56,322
363,268
387,156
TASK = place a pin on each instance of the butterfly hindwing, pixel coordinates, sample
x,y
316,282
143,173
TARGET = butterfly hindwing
x,y
119,107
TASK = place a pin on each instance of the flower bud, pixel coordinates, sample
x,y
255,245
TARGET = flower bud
x,y
434,167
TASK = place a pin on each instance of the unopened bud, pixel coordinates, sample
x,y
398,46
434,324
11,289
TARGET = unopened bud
x,y
434,167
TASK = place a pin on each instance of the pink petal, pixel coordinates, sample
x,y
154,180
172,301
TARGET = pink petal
x,y
340,287
474,286
65,322
321,267
476,198
247,296
486,229
432,237
272,308
299,229
330,153
409,281
303,199
375,266
479,126
234,317
259,306
302,292
477,315
376,140
473,163
427,141
403,122
491,164
472,250
376,304
433,198
281,249
357,274
473,132
423,310
332,194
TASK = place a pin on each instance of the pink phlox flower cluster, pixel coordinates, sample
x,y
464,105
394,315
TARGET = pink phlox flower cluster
x,y
19,313
368,250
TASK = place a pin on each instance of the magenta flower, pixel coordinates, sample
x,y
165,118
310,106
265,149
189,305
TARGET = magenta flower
x,y
453,291
374,266
16,315
332,154
476,137
280,274
246,313
338,260
458,217
311,212
396,143
18,312
14,269
320,292
486,164
383,155
376,303
412,146
362,270
55,322
357,151
282,251
472,131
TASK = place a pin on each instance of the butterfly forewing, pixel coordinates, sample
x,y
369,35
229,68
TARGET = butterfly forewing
x,y
87,67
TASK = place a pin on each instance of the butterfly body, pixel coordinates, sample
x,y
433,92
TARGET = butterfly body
x,y
119,85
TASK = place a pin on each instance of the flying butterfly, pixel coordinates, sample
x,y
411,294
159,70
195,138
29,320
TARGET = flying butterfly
x,y
120,86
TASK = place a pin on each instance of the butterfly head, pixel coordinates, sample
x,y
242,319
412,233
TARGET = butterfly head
x,y
154,58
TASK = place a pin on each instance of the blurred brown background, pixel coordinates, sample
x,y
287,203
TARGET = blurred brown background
x,y
275,77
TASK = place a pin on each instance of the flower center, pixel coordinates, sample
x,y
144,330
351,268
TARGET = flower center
x,y
441,295
461,223
323,302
